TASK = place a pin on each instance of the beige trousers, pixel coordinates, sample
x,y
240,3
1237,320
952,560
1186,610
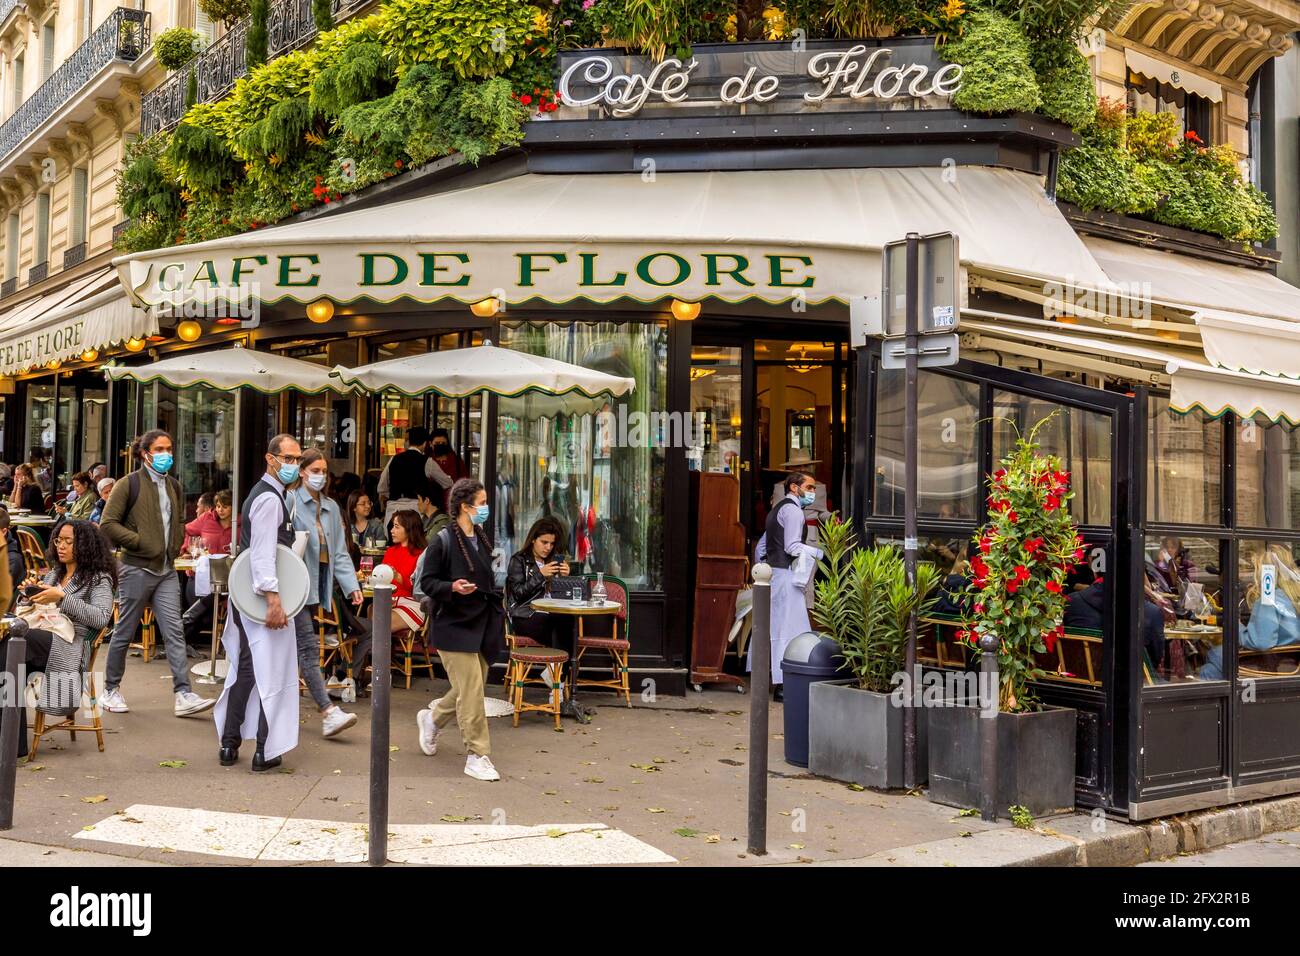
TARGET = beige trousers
x,y
467,671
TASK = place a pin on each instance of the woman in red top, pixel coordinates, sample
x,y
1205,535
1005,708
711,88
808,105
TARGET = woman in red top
x,y
408,544
214,526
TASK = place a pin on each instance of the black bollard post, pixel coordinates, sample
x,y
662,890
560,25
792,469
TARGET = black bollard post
x,y
988,702
381,684
11,701
760,642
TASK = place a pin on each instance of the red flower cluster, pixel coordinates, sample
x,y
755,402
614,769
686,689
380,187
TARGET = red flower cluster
x,y
548,101
1191,137
1018,577
323,194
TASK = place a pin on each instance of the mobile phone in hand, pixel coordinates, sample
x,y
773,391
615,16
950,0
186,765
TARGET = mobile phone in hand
x,y
31,590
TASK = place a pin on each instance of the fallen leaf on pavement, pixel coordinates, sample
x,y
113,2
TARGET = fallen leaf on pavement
x,y
686,832
796,846
453,818
713,838
555,834
594,780
393,748
173,764
855,787
98,798
647,767
329,830
656,809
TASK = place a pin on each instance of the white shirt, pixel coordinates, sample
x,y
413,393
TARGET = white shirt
x,y
792,523
265,517
432,471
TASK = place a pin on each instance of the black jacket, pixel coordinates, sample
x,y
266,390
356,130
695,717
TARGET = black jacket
x,y
524,583
33,500
463,622
17,568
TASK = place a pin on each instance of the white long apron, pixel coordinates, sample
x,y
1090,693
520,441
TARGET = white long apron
x,y
789,619
275,664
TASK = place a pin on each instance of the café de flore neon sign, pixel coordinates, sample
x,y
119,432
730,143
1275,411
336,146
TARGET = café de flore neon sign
x,y
730,79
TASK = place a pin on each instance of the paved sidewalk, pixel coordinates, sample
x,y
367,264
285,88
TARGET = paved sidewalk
x,y
660,783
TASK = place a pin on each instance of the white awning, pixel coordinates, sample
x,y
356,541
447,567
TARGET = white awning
x,y
92,312
1193,382
1173,74
1249,319
771,235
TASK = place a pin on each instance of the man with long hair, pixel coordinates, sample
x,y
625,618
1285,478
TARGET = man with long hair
x,y
145,518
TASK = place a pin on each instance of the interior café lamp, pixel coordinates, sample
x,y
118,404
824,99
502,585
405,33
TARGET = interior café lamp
x,y
486,308
320,311
685,311
90,355
189,331
134,344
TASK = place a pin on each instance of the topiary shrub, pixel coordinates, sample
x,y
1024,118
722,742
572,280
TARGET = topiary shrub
x,y
225,12
1065,83
176,47
470,38
255,43
997,73
322,13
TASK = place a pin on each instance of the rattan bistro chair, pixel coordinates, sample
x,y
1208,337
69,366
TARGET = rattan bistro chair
x,y
89,693
616,647
33,552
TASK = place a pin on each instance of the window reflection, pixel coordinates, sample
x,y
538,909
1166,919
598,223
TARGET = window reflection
x,y
1184,465
1182,622
1268,639
1080,438
1268,474
716,404
948,484
604,484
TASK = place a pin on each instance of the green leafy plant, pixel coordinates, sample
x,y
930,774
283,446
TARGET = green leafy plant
x,y
365,74
469,38
997,72
225,12
322,14
148,195
870,18
257,39
660,27
864,601
176,47
1021,818
1065,82
1024,553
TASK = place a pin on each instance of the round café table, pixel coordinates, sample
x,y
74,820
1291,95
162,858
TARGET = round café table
x,y
581,610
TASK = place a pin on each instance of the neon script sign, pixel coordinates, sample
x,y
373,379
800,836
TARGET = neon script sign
x,y
865,77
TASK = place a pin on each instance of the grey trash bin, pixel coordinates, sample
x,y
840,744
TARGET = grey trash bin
x,y
810,657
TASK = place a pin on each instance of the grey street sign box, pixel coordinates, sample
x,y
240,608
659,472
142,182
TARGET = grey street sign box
x,y
933,352
938,285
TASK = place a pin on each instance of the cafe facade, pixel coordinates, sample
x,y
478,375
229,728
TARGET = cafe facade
x,y
715,234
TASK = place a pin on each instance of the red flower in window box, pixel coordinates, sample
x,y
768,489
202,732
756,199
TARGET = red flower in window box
x,y
1191,137
1054,587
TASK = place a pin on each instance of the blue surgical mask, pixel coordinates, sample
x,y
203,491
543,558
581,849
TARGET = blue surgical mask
x,y
480,515
162,462
316,482
807,499
288,474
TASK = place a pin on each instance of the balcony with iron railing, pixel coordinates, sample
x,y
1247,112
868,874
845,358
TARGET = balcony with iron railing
x,y
290,26
122,37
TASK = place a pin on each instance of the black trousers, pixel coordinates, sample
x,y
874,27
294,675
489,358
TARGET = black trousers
x,y
237,703
549,630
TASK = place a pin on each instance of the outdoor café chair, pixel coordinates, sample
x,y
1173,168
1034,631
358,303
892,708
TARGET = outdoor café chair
x,y
616,647
89,692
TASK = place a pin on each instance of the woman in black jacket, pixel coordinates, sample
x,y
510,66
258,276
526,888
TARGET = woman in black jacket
x,y
467,628
530,571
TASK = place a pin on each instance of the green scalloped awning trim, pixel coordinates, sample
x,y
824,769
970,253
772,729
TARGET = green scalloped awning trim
x,y
202,382
1215,415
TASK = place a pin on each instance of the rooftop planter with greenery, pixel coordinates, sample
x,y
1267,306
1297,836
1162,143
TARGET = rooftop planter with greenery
x,y
423,79
1139,166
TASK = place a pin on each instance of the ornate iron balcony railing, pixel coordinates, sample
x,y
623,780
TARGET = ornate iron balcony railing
x,y
8,287
123,36
38,272
74,255
289,26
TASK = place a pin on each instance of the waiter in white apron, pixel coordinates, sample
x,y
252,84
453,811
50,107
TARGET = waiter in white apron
x,y
779,545
260,698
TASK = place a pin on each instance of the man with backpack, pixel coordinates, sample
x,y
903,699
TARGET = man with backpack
x,y
145,518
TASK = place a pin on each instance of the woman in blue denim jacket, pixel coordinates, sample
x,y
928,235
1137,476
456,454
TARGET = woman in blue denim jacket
x,y
1271,625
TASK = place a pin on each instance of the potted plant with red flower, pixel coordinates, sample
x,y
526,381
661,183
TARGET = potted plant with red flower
x,y
1017,596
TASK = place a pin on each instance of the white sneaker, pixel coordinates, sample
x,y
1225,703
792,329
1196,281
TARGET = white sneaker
x,y
480,768
428,732
349,691
114,702
336,720
331,639
189,703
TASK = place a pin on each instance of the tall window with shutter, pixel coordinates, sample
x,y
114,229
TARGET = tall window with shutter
x,y
12,232
80,201
47,49
203,25
87,19
42,228
18,80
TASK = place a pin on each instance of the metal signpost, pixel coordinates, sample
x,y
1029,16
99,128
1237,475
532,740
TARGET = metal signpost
x,y
760,682
381,685
921,301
